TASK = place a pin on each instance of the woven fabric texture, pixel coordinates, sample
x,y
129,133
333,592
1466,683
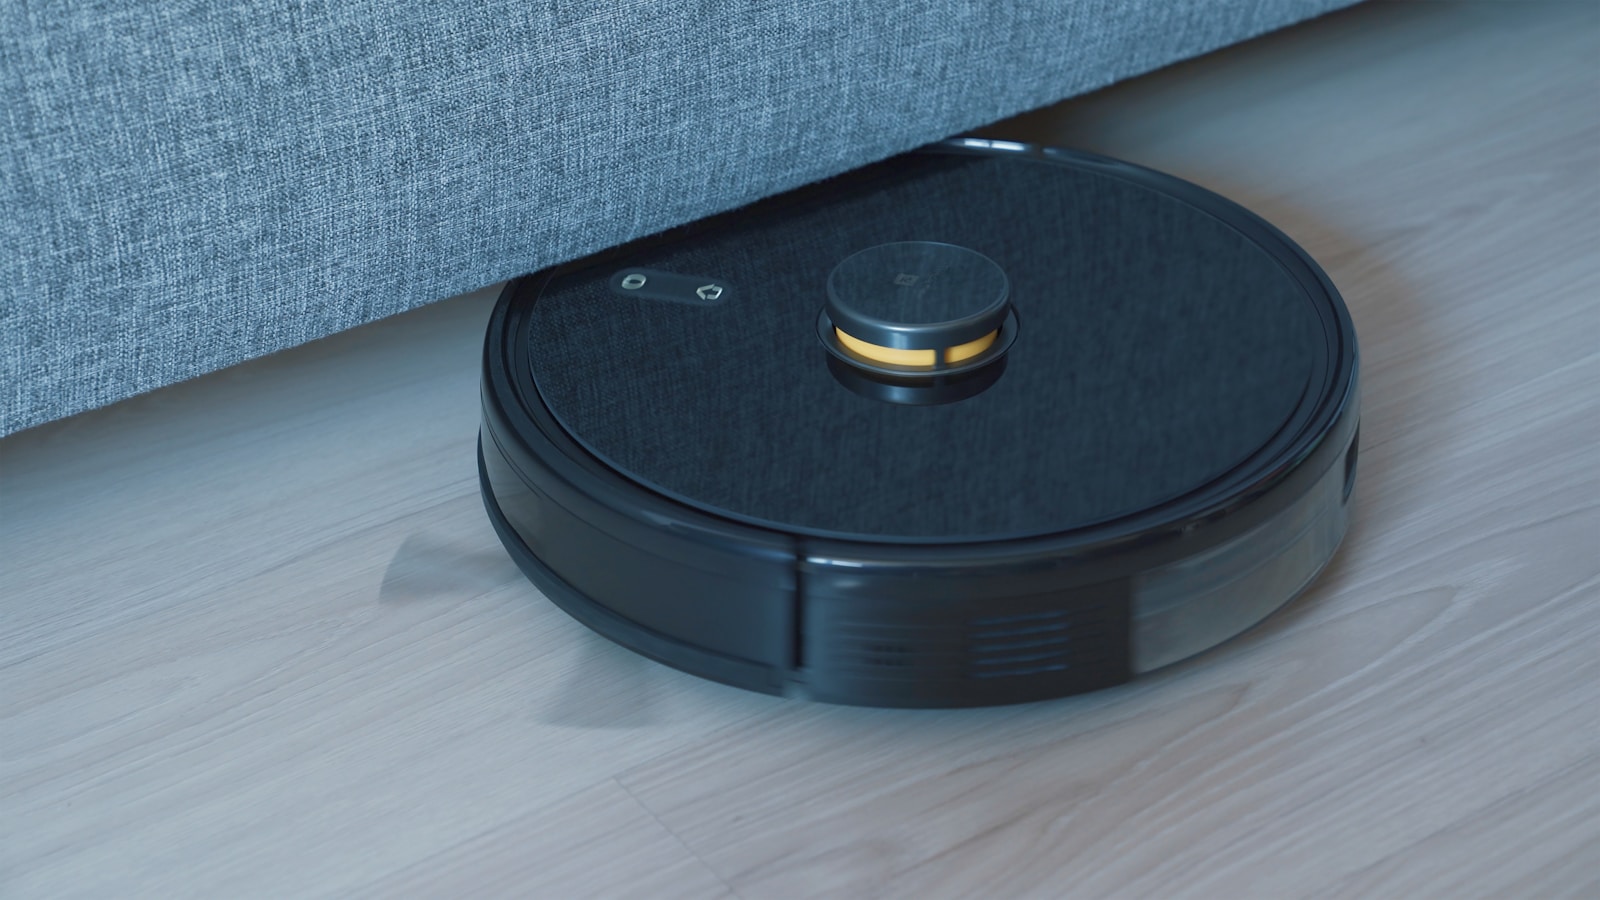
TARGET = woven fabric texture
x,y
186,185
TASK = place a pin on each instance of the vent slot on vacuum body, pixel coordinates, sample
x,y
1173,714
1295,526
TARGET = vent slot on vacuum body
x,y
1036,643
1046,641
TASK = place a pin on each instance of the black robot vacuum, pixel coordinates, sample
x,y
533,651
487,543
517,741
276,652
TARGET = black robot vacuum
x,y
984,423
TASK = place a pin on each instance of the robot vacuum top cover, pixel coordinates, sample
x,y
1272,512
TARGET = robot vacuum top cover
x,y
983,423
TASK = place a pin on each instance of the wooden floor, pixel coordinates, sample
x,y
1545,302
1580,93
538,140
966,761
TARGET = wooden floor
x,y
258,639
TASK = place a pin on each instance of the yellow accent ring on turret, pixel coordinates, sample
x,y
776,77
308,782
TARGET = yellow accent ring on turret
x,y
895,356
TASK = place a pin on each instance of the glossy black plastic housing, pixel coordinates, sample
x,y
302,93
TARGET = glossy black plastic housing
x,y
888,622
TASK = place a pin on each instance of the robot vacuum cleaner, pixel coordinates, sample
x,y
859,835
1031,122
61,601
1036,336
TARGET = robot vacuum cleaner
x,y
984,423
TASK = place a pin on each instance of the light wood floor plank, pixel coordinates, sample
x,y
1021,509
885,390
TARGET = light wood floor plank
x,y
597,843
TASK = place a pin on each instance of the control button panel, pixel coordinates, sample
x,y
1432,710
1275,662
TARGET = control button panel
x,y
672,287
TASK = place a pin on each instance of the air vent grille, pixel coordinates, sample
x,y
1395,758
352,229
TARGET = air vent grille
x,y
1035,643
931,647
1009,646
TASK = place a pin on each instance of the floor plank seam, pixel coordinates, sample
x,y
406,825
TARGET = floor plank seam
x,y
678,839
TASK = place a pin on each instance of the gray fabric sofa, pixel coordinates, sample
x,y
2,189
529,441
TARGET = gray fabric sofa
x,y
186,185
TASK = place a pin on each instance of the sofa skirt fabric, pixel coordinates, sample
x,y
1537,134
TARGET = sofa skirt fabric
x,y
186,185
